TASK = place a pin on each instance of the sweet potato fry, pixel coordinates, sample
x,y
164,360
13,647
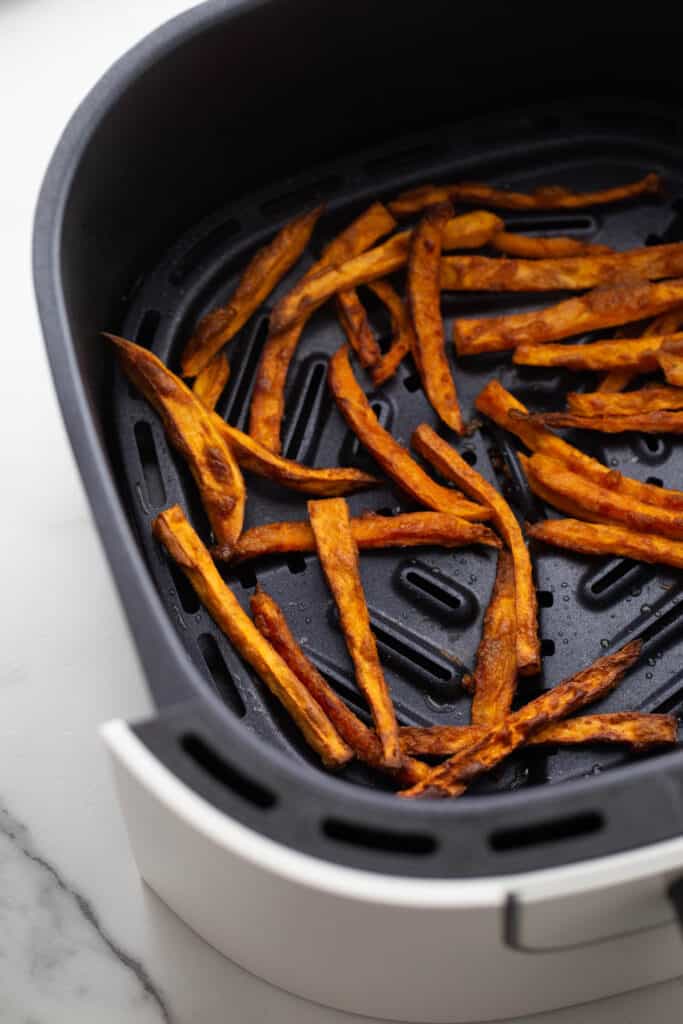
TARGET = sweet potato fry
x,y
548,197
338,555
637,355
553,498
601,502
209,384
622,303
192,431
670,359
173,530
608,539
411,529
354,320
257,459
447,461
268,400
634,729
388,453
495,675
401,329
600,403
424,295
667,323
453,776
481,273
500,406
531,247
272,624
661,422
464,232
263,273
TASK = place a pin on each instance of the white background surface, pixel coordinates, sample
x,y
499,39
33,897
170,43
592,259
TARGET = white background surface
x,y
80,939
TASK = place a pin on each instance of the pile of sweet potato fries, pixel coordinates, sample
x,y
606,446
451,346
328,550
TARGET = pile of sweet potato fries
x,y
640,292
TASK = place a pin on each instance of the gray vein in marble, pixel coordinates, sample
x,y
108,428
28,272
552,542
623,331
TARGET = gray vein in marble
x,y
69,955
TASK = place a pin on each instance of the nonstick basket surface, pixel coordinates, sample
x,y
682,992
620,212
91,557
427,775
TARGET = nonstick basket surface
x,y
426,604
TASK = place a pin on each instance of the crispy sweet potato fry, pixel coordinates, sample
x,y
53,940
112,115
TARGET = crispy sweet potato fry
x,y
453,776
388,453
498,404
209,384
447,461
354,320
338,555
553,498
173,530
531,247
670,359
622,303
662,422
411,529
268,400
667,323
608,539
191,429
635,729
272,624
257,459
464,232
424,294
601,502
615,381
263,273
548,197
573,273
600,403
495,675
402,333
638,355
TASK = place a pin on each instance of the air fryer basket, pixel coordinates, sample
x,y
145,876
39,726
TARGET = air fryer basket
x,y
166,245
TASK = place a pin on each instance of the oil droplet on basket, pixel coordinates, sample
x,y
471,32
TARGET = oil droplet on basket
x,y
566,597
564,584
645,609
636,592
565,641
651,662
604,642
472,579
614,462
595,770
307,620
659,654
648,675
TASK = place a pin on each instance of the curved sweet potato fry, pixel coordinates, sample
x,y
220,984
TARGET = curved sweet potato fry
x,y
498,404
557,479
265,270
531,247
638,355
402,333
257,459
370,532
600,403
449,463
662,422
172,529
272,624
354,320
464,232
494,679
574,273
338,555
191,429
635,729
603,307
268,399
548,197
453,776
209,384
388,453
608,539
424,296
554,498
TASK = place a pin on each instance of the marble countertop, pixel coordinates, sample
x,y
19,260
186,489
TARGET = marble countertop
x,y
81,939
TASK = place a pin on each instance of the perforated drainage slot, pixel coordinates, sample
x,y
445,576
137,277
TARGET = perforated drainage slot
x,y
651,449
307,425
412,383
296,563
186,595
248,358
547,648
203,250
443,596
671,622
302,197
546,598
409,654
226,774
546,832
610,581
412,843
147,330
220,674
154,481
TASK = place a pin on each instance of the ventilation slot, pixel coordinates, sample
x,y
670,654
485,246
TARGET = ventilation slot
x,y
547,648
613,580
154,481
670,623
546,598
296,563
225,685
412,383
352,453
655,481
470,456
203,250
436,593
674,231
186,595
414,844
546,832
147,330
412,659
671,704
304,433
247,358
309,195
651,449
226,774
